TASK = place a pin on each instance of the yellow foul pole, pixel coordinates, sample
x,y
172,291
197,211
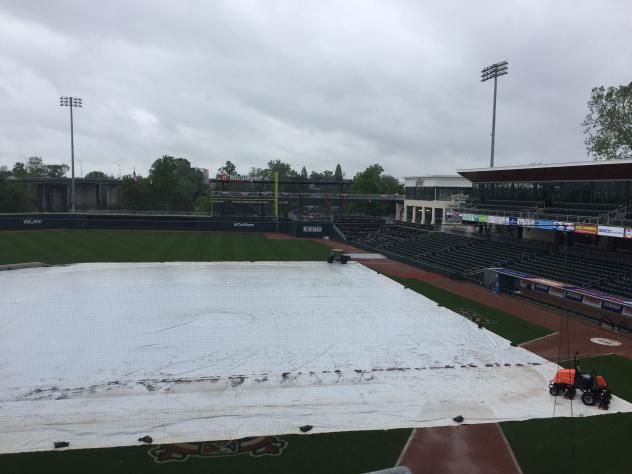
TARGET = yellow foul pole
x,y
276,199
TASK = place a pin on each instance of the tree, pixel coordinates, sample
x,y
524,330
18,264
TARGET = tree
x,y
372,181
608,125
56,171
285,170
135,193
304,173
97,175
338,174
257,172
328,175
175,184
14,197
19,170
35,166
229,168
368,181
316,176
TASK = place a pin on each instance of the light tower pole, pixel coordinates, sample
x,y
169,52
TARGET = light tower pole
x,y
71,102
494,72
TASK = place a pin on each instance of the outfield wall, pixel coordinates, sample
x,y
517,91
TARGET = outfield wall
x,y
163,222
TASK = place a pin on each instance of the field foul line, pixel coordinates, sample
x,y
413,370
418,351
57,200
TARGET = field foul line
x,y
405,448
508,446
538,338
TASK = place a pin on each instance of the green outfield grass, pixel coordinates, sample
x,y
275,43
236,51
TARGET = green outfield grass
x,y
343,453
510,327
590,445
73,246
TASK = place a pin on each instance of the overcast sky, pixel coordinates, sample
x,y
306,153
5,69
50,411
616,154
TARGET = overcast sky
x,y
312,83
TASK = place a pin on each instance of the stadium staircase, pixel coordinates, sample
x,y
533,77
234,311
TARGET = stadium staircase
x,y
353,228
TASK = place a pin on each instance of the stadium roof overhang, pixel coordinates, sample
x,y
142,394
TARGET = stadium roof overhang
x,y
574,171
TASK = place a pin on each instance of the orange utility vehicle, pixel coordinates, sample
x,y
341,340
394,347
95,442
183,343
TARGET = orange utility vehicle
x,y
593,388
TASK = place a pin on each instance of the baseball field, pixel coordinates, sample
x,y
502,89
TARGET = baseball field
x,y
592,444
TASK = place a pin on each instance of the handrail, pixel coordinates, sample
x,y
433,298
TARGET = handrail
x,y
285,195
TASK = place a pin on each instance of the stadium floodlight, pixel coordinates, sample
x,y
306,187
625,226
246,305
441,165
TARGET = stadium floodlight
x,y
71,102
494,72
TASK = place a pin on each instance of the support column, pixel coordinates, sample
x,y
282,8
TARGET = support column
x,y
432,219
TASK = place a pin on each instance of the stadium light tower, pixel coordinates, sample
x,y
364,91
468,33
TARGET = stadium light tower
x,y
71,102
494,72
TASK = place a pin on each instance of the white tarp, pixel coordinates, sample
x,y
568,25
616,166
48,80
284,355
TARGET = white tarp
x,y
102,354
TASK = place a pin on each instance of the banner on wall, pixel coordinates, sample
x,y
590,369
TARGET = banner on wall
x,y
590,229
497,220
615,308
542,288
628,233
564,226
526,222
610,231
576,297
513,221
544,224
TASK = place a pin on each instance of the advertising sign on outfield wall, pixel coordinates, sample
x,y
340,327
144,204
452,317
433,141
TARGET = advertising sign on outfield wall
x,y
586,229
610,231
526,222
628,233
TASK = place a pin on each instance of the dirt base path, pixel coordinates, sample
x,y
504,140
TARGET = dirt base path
x,y
465,449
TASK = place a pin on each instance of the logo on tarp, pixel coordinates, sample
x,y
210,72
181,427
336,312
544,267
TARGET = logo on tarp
x,y
254,446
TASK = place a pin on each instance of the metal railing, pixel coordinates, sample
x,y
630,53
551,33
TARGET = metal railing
x,y
324,196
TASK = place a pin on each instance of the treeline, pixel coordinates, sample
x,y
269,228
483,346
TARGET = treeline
x,y
172,184
285,170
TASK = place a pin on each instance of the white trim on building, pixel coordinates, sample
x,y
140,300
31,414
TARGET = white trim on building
x,y
425,211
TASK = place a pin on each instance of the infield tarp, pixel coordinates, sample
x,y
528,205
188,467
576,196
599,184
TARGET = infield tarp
x,y
100,355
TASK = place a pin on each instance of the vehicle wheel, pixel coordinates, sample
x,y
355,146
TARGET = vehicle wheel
x,y
588,398
553,390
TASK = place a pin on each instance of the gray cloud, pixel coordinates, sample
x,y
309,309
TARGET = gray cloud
x,y
312,83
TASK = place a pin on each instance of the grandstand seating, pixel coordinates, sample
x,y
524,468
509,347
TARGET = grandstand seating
x,y
468,257
503,205
449,252
579,208
355,227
